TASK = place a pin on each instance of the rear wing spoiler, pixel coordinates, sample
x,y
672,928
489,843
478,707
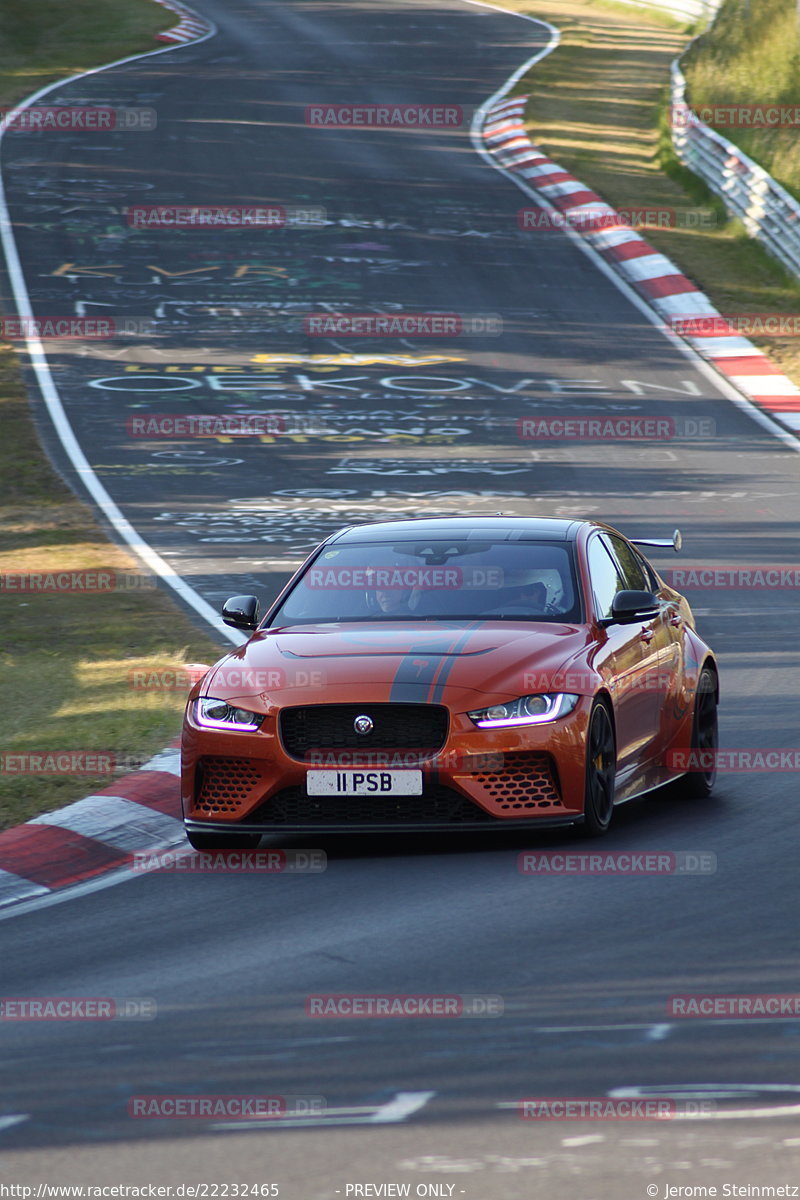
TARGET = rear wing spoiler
x,y
673,543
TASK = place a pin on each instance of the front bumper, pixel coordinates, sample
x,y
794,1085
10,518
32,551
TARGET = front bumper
x,y
327,827
480,779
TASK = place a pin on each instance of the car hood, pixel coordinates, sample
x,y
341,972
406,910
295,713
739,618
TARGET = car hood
x,y
460,664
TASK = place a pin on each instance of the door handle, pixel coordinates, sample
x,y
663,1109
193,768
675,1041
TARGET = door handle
x,y
646,635
676,620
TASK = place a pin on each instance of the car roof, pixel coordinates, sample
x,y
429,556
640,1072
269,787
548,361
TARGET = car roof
x,y
466,528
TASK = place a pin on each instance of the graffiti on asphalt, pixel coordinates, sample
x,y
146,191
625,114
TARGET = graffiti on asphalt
x,y
320,374
424,466
300,524
243,379
334,424
241,275
154,469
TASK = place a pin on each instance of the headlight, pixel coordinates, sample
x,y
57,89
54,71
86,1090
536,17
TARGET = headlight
x,y
218,714
527,710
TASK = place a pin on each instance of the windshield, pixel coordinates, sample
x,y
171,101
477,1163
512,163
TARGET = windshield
x,y
439,580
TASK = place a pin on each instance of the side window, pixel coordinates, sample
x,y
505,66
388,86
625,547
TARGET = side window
x,y
605,577
629,563
653,582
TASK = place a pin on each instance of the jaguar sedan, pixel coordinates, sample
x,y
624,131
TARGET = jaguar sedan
x,y
452,673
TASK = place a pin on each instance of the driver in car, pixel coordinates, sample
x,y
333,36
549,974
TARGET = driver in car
x,y
391,601
523,597
532,596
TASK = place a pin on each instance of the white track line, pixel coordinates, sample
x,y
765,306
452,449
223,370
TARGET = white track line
x,y
51,396
15,1119
404,1105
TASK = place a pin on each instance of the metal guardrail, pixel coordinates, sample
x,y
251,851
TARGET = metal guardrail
x,y
768,212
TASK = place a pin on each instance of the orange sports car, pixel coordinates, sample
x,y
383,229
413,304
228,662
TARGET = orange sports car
x,y
454,673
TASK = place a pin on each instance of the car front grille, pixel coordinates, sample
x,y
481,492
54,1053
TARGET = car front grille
x,y
223,783
420,728
438,806
525,782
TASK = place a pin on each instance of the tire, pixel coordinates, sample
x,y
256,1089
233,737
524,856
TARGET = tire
x,y
696,785
601,767
223,841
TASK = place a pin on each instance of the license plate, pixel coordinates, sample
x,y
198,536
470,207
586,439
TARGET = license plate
x,y
364,783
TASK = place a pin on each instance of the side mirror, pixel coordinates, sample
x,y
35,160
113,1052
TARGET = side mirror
x,y
241,612
628,607
674,543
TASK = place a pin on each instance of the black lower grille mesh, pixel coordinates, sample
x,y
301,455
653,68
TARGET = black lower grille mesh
x,y
439,805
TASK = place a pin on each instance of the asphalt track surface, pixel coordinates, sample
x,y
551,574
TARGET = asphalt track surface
x,y
585,966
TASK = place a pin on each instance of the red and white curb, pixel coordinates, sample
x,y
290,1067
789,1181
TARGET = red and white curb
x,y
652,275
189,27
141,811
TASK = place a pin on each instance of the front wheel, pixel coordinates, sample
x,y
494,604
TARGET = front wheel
x,y
601,770
695,785
223,841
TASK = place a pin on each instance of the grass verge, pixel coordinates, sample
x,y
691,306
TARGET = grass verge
x,y
71,662
751,56
599,108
